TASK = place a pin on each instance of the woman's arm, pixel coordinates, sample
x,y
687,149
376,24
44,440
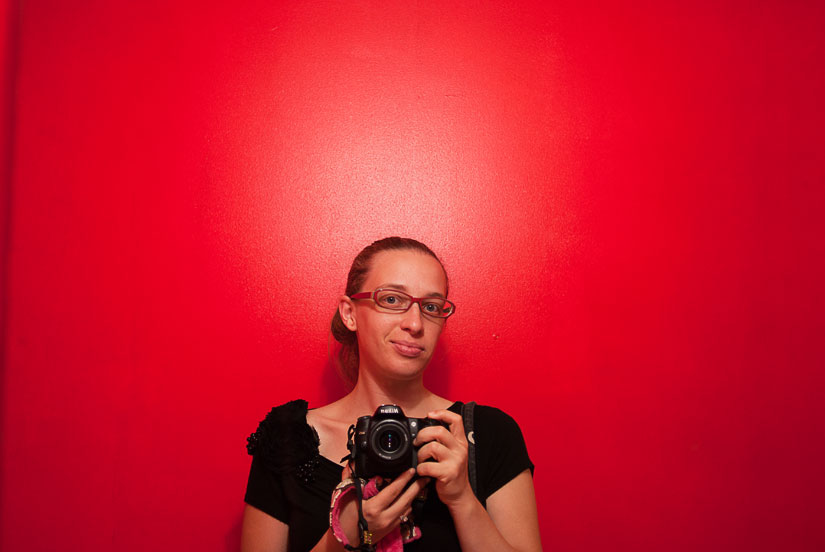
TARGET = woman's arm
x,y
261,532
509,523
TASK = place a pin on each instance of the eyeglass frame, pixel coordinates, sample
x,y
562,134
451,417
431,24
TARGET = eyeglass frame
x,y
413,300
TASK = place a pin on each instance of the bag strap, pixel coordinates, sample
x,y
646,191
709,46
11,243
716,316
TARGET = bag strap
x,y
472,470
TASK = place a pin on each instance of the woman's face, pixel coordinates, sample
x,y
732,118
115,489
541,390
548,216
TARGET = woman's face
x,y
399,345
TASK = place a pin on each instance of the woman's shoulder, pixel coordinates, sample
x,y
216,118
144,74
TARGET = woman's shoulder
x,y
492,423
490,415
500,448
283,438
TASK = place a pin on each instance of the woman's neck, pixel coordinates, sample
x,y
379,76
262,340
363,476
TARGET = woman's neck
x,y
414,399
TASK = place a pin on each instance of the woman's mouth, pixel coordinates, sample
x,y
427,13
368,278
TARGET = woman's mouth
x,y
407,348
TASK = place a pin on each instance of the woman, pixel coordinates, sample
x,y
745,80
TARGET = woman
x,y
388,337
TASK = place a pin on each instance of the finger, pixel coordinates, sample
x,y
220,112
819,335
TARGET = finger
x,y
389,494
431,470
434,433
404,503
452,419
435,450
401,506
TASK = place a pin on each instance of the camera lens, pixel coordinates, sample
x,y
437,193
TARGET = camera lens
x,y
389,441
389,444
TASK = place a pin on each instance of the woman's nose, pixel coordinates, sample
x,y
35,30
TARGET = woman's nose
x,y
412,320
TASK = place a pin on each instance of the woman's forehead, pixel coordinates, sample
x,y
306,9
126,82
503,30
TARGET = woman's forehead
x,y
417,272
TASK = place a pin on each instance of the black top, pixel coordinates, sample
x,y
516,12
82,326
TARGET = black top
x,y
291,481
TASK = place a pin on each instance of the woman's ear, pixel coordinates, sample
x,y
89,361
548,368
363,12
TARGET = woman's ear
x,y
347,311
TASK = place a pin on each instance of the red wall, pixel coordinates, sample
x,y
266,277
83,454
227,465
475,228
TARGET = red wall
x,y
628,198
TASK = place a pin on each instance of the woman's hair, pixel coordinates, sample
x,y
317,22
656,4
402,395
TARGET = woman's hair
x,y
361,265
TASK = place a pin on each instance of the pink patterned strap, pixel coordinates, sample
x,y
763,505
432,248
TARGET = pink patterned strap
x,y
392,542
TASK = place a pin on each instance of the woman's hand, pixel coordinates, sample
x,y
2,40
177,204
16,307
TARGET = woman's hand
x,y
511,510
383,511
448,449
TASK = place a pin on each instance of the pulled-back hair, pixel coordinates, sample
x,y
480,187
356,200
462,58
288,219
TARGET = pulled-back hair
x,y
348,355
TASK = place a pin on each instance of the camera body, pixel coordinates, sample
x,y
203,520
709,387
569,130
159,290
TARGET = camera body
x,y
382,444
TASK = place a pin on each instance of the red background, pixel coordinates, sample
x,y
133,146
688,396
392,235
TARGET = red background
x,y
628,198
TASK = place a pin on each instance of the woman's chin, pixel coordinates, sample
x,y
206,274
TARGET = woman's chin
x,y
405,369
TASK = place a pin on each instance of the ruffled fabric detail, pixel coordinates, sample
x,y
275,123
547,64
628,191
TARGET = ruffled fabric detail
x,y
285,442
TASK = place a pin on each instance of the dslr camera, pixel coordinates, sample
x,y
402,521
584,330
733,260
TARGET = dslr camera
x,y
382,444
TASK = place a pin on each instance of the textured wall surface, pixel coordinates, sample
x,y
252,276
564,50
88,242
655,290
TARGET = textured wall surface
x,y
628,198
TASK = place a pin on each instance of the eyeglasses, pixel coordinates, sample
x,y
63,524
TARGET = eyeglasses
x,y
398,301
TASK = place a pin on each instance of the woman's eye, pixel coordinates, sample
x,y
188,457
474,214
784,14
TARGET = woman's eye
x,y
391,300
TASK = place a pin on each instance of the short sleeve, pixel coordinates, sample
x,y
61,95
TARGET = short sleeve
x,y
501,452
282,446
264,491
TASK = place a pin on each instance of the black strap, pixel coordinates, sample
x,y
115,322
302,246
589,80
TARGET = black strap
x,y
418,505
467,417
362,522
363,528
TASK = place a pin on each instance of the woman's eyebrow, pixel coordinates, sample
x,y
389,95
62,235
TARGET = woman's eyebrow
x,y
402,287
399,287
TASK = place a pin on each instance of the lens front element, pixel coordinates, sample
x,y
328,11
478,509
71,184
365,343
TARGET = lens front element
x,y
389,440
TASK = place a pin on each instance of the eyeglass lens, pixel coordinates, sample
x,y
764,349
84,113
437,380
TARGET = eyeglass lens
x,y
396,300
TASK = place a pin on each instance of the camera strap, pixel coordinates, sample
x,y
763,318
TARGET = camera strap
x,y
467,410
363,530
364,534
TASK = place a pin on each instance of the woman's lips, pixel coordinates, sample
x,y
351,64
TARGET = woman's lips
x,y
407,348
